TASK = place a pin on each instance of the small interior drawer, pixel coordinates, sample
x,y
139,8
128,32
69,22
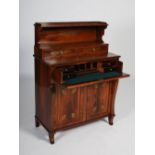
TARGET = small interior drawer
x,y
109,63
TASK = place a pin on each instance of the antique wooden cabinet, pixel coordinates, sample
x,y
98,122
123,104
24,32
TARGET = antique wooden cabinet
x,y
76,78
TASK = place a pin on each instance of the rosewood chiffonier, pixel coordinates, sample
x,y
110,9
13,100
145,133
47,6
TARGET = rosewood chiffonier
x,y
76,78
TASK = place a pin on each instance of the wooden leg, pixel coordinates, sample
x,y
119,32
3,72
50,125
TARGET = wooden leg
x,y
51,137
37,123
110,119
113,88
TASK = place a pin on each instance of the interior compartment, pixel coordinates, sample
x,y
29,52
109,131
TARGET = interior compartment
x,y
86,72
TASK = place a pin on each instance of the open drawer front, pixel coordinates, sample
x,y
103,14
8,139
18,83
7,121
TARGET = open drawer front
x,y
93,78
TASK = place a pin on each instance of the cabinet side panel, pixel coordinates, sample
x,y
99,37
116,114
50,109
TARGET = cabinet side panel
x,y
37,79
41,92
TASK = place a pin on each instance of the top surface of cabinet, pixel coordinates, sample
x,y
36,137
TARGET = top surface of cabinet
x,y
71,24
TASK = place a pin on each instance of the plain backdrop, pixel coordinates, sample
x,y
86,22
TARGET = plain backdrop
x,y
119,14
96,138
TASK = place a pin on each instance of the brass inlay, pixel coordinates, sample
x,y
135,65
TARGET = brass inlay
x,y
73,115
57,53
102,107
96,86
94,109
63,91
93,49
63,117
61,52
73,90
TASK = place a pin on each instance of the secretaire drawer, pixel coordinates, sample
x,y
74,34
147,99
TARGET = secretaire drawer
x,y
109,63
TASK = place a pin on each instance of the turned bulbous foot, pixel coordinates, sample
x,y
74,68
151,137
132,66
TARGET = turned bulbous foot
x,y
51,137
111,119
37,123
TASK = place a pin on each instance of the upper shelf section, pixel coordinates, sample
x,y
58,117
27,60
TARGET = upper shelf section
x,y
69,32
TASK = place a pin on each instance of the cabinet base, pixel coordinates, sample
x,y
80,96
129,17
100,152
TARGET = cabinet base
x,y
52,133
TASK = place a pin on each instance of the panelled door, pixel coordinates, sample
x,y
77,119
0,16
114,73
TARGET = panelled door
x,y
97,100
82,103
68,106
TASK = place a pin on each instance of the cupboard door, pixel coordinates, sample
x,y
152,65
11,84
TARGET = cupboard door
x,y
103,95
97,100
93,107
68,106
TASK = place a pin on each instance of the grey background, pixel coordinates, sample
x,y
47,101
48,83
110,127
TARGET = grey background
x,y
95,138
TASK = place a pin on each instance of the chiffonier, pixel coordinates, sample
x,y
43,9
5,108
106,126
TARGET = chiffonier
x,y
76,77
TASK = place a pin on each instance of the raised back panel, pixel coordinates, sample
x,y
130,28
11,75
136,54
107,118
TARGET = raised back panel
x,y
68,41
69,32
67,35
